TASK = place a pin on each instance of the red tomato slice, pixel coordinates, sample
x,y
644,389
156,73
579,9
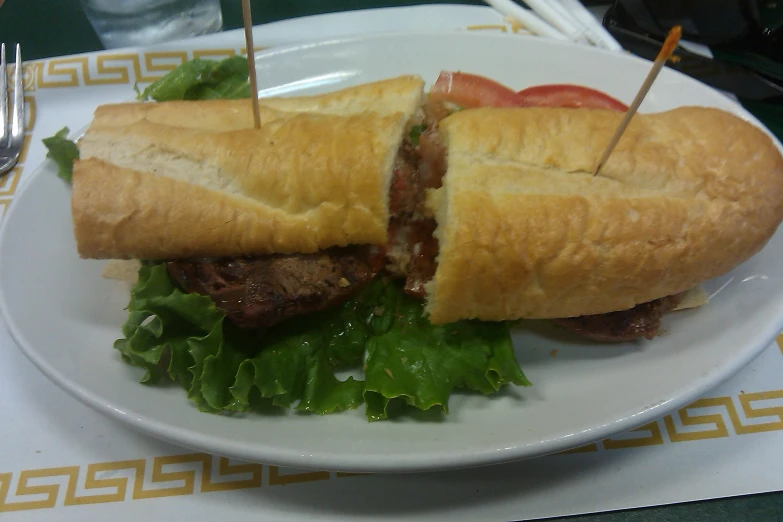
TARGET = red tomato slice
x,y
469,91
564,95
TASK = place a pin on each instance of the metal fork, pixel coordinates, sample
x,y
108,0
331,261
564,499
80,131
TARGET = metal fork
x,y
11,129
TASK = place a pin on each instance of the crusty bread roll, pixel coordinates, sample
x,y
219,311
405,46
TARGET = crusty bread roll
x,y
526,231
386,97
194,179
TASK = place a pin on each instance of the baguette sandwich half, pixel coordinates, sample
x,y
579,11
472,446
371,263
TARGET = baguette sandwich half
x,y
173,180
526,230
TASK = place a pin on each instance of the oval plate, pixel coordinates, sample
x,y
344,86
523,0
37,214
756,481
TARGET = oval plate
x,y
65,317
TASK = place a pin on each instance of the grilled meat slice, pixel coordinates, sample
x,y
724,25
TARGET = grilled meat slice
x,y
262,291
643,320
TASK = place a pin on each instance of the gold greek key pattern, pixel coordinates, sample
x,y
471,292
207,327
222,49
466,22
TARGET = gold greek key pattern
x,y
488,27
196,473
120,481
708,418
28,75
119,68
278,479
588,448
647,435
511,25
214,54
716,426
108,69
10,181
170,476
30,113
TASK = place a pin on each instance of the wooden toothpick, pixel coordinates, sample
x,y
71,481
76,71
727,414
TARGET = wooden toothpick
x,y
247,16
672,39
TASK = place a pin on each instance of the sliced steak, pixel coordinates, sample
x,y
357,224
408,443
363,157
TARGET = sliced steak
x,y
262,291
643,320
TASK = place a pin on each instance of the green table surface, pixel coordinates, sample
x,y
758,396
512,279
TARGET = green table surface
x,y
47,28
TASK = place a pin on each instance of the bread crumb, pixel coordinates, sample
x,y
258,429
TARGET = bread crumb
x,y
553,353
404,360
693,298
389,373
344,283
122,270
378,310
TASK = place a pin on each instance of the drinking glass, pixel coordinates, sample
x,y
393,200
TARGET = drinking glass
x,y
125,23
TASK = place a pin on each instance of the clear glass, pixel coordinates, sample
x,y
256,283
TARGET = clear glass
x,y
125,23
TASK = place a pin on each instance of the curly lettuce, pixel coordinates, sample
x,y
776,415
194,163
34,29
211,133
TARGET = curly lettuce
x,y
202,80
185,338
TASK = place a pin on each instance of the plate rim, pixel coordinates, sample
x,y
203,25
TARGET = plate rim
x,y
382,463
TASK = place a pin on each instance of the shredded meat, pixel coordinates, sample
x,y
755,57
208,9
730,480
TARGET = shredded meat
x,y
433,160
412,248
404,196
641,321
265,290
412,252
434,111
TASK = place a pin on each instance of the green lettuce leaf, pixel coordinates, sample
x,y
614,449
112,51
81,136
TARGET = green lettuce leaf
x,y
185,338
63,151
420,363
202,80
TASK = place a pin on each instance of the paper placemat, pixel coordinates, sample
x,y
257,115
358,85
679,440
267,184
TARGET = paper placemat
x,y
61,460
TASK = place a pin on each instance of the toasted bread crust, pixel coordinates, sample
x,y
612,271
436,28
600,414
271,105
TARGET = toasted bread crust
x,y
155,183
526,231
386,97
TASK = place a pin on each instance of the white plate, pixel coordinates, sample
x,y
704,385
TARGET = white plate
x,y
65,317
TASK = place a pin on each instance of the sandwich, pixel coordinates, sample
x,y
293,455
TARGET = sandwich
x,y
486,214
509,220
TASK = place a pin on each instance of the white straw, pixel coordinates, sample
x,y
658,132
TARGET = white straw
x,y
556,15
527,18
592,28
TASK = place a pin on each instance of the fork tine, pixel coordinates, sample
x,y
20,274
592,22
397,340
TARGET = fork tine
x,y
3,98
17,121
